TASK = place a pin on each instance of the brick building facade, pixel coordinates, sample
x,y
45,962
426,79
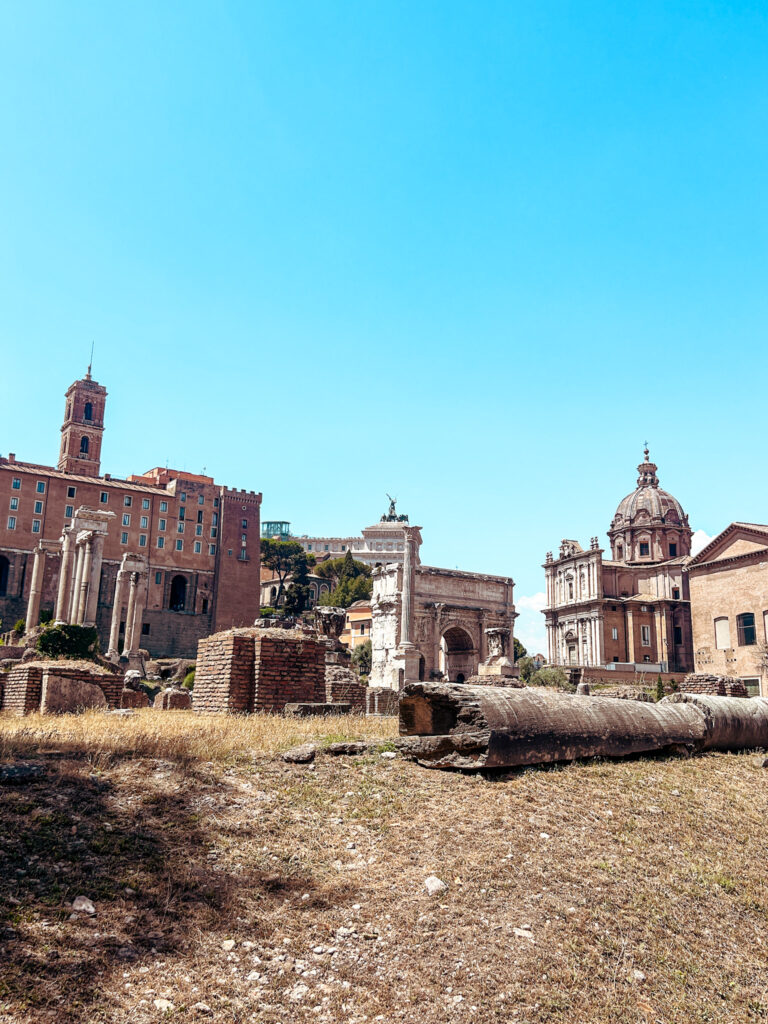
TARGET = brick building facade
x,y
198,540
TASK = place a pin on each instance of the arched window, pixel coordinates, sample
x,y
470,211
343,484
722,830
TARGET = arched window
x,y
5,566
88,411
178,597
620,551
83,445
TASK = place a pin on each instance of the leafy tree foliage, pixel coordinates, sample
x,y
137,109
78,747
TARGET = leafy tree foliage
x,y
69,641
554,677
520,651
285,558
362,658
526,668
352,581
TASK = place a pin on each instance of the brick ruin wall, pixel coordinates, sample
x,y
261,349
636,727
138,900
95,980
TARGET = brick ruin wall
x,y
287,670
23,689
718,686
343,686
224,674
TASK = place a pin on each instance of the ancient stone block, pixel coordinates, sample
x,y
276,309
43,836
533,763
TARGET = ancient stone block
x,y
63,693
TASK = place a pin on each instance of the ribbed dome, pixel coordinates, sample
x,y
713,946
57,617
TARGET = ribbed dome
x,y
650,499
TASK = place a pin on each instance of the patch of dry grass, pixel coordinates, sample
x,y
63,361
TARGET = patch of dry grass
x,y
562,883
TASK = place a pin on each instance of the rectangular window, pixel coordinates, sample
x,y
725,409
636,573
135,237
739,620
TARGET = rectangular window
x,y
645,636
673,550
215,502
201,499
144,522
14,504
215,519
204,609
675,593
746,626
123,538
309,547
126,518
179,545
643,607
199,517
158,578
11,522
645,548
722,633
104,497
614,634
243,538
752,686
198,530
163,506
245,524
145,503
183,496
211,549
677,635
142,540
180,527
214,531
40,487
161,542
71,492
35,526
69,511
127,500
198,547
343,547
161,525
145,629
182,514
16,485
38,508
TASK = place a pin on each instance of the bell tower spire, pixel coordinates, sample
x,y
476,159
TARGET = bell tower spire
x,y
83,427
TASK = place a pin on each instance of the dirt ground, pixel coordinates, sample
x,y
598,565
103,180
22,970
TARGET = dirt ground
x,y
230,886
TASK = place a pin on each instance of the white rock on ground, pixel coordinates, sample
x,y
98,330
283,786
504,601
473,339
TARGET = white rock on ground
x,y
434,885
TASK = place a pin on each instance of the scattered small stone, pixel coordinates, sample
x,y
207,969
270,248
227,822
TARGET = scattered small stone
x,y
228,945
164,1005
638,976
202,1008
303,754
675,792
524,932
82,905
298,992
127,953
434,885
388,753
543,835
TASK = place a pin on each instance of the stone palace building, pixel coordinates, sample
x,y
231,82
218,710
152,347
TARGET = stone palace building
x,y
633,608
155,561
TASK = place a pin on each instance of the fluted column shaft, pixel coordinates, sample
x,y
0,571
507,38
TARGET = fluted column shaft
x,y
35,590
117,610
128,638
65,577
94,579
77,576
82,595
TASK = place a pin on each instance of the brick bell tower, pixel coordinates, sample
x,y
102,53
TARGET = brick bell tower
x,y
83,427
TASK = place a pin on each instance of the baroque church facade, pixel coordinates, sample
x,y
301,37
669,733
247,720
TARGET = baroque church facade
x,y
632,608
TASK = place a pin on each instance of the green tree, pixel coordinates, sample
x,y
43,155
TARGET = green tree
x,y
297,593
659,688
285,558
351,579
526,668
362,658
520,651
554,677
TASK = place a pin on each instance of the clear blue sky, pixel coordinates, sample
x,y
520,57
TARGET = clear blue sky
x,y
473,254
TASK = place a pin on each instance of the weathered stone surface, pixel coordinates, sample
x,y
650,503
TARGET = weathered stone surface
x,y
303,754
62,694
134,699
20,774
132,679
173,699
583,690
303,710
732,723
722,686
347,748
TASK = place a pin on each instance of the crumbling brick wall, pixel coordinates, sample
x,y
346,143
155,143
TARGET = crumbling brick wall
x,y
719,686
258,670
224,673
23,688
342,685
288,668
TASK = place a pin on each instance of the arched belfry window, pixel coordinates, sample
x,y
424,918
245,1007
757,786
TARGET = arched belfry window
x,y
83,445
88,411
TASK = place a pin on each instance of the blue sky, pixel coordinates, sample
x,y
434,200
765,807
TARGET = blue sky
x,y
470,254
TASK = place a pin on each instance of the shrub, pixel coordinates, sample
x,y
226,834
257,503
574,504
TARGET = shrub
x,y
659,689
189,680
266,612
46,616
554,677
20,626
362,656
526,669
67,641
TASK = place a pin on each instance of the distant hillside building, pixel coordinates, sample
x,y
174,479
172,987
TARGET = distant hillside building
x,y
728,581
631,609
380,544
193,543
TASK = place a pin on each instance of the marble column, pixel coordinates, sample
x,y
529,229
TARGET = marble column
x,y
630,635
65,577
128,637
117,611
138,613
407,597
35,590
77,576
82,595
94,579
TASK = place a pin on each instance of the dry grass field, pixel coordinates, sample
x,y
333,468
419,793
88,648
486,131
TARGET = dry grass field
x,y
232,887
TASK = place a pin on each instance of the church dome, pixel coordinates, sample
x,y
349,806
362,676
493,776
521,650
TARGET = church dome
x,y
649,507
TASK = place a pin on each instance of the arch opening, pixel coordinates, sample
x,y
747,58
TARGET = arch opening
x,y
5,568
178,598
458,655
